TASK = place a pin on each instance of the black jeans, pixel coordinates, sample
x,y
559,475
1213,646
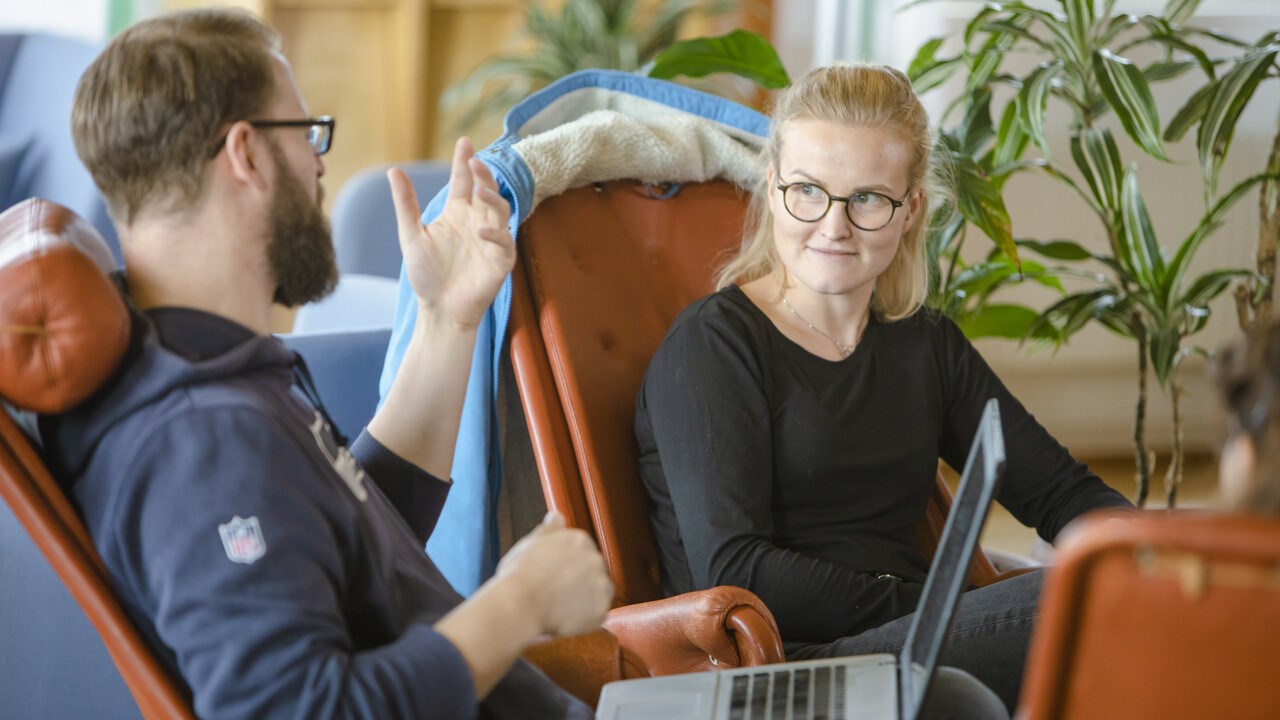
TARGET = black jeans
x,y
988,640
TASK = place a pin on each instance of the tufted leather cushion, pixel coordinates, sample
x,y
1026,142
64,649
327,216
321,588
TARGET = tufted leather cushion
x,y
608,267
63,324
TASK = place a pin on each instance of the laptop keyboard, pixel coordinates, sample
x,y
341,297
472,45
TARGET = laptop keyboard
x,y
789,694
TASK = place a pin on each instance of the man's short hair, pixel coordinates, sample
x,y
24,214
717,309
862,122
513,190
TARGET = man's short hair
x,y
151,108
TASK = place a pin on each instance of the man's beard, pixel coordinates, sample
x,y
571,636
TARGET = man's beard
x,y
300,244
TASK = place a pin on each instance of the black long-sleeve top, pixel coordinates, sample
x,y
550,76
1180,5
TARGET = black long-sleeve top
x,y
801,479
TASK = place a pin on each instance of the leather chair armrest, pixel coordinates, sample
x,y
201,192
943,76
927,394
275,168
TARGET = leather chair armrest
x,y
583,664
722,627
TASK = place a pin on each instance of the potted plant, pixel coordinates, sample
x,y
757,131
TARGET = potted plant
x,y
611,34
1141,290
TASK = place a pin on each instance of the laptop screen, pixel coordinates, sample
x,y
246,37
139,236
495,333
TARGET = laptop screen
x,y
950,568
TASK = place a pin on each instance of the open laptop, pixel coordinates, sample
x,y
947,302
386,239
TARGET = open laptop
x,y
866,686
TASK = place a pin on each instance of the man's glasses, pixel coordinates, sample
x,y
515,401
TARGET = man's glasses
x,y
867,210
319,132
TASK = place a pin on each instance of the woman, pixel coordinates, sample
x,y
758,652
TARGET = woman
x,y
1248,377
790,425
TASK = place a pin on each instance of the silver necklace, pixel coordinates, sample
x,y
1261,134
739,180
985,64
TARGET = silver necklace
x,y
845,350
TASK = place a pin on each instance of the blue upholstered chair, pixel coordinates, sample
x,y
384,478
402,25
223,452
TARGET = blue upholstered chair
x,y
368,250
38,77
346,367
364,220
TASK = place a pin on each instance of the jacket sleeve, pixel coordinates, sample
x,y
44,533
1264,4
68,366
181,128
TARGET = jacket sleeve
x,y
710,420
1044,487
256,625
417,494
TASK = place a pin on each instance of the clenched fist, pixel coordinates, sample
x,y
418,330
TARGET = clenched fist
x,y
561,576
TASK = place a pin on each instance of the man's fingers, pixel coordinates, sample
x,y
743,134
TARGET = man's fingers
x,y
483,177
405,198
460,177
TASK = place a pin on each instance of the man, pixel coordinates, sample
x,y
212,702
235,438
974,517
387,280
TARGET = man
x,y
257,555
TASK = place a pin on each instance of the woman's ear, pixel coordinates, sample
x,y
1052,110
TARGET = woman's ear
x,y
915,200
1237,469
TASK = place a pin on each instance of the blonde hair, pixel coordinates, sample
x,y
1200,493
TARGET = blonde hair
x,y
854,95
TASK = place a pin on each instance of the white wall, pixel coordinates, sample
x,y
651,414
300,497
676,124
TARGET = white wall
x,y
85,19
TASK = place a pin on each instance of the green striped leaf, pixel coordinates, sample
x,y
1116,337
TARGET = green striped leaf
x,y
1161,71
1011,138
1211,221
1211,284
1138,239
1098,158
1032,100
1191,113
1115,26
975,130
1165,345
1126,89
1079,20
1062,319
1177,11
982,205
1173,42
984,63
926,58
1063,43
1018,31
1234,91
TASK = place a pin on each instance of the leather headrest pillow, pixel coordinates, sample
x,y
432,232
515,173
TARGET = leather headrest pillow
x,y
63,325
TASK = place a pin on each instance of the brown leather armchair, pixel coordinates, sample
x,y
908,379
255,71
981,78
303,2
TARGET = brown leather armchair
x,y
63,331
1159,616
602,272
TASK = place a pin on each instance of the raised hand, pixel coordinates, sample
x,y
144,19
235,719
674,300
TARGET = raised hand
x,y
457,263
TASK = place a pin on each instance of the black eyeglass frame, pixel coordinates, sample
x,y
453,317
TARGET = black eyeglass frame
x,y
325,121
832,199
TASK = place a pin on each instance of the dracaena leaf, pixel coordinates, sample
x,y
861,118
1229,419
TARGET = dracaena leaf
x,y
1235,89
1031,102
1211,284
1161,71
1126,89
1079,20
1211,221
1138,239
1190,113
982,205
1011,138
1177,11
1096,154
1164,347
975,130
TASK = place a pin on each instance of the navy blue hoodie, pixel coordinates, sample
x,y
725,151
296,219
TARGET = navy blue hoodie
x,y
253,551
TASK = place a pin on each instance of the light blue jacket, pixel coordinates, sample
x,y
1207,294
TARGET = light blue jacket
x,y
611,113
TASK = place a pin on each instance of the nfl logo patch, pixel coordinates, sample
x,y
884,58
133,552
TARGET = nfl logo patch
x,y
242,539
